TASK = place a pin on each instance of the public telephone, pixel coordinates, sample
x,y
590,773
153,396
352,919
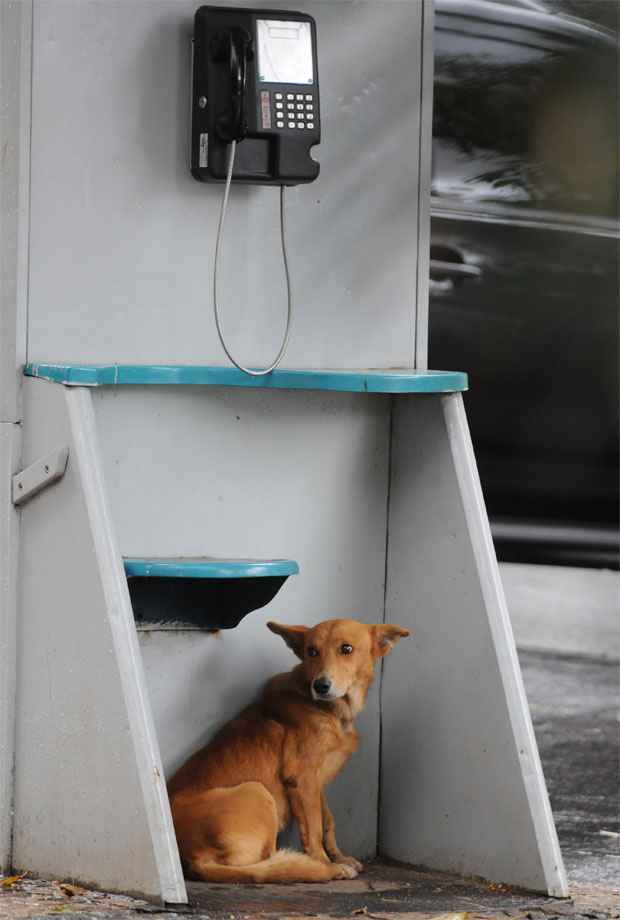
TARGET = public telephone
x,y
255,114
255,82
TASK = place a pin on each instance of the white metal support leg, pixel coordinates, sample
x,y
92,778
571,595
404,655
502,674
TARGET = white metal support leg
x,y
10,440
461,782
90,796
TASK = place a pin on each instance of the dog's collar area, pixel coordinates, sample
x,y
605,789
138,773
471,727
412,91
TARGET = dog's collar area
x,y
341,708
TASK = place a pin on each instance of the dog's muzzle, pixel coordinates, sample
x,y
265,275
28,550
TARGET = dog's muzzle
x,y
323,689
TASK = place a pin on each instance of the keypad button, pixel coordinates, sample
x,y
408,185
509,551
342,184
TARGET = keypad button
x,y
309,108
299,106
291,124
300,124
301,115
278,95
290,95
309,125
279,124
290,105
299,96
308,97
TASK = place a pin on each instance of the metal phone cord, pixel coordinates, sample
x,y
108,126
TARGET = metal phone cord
x,y
253,372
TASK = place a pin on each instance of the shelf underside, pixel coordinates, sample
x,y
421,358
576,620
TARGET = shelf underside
x,y
202,592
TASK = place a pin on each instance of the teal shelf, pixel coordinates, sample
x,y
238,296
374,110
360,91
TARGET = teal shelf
x,y
209,567
202,592
393,380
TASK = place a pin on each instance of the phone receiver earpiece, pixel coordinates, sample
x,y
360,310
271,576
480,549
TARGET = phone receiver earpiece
x,y
234,47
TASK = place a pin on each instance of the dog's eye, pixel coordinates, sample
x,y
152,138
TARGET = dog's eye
x,y
312,651
346,649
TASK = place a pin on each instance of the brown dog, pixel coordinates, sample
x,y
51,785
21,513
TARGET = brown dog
x,y
270,763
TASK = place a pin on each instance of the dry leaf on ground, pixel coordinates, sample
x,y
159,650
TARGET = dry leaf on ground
x,y
11,880
462,915
70,890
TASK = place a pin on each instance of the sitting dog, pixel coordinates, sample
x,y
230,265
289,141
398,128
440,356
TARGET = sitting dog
x,y
231,798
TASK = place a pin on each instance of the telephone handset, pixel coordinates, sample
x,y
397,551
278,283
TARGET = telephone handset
x,y
233,48
255,82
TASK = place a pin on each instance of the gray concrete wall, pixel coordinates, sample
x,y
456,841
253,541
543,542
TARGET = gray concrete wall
x,y
246,474
15,65
109,259
122,237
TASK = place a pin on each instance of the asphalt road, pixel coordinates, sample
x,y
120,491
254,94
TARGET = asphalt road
x,y
575,707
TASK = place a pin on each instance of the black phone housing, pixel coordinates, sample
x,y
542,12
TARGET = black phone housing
x,y
273,150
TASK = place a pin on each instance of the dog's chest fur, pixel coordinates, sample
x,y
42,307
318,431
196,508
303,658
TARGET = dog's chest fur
x,y
334,758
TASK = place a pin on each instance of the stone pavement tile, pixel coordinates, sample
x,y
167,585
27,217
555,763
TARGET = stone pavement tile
x,y
398,891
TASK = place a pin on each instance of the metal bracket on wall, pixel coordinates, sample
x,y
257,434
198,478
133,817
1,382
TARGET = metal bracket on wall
x,y
40,475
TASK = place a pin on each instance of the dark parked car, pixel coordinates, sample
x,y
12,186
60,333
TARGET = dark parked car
x,y
524,266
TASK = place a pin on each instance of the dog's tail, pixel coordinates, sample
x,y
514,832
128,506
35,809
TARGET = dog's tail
x,y
283,866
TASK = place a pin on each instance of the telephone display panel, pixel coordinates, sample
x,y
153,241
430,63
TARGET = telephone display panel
x,y
284,51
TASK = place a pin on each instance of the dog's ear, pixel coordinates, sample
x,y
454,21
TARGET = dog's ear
x,y
294,636
384,638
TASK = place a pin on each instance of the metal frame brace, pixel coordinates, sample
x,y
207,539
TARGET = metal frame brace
x,y
39,475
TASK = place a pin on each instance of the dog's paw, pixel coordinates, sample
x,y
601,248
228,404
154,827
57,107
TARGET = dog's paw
x,y
352,861
344,870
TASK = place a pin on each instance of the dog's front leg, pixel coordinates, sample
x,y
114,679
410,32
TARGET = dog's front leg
x,y
329,838
305,800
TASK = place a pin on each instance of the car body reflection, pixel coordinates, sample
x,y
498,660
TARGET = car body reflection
x,y
524,267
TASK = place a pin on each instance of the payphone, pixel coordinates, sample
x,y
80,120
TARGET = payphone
x,y
255,80
255,114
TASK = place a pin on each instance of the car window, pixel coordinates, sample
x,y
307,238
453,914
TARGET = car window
x,y
525,110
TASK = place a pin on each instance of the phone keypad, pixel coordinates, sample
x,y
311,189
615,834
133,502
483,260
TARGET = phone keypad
x,y
291,112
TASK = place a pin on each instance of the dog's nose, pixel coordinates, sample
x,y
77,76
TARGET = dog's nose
x,y
322,686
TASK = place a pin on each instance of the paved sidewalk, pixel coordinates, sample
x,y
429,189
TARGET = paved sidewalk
x,y
382,893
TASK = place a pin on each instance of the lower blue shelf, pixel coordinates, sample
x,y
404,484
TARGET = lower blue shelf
x,y
202,591
208,567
